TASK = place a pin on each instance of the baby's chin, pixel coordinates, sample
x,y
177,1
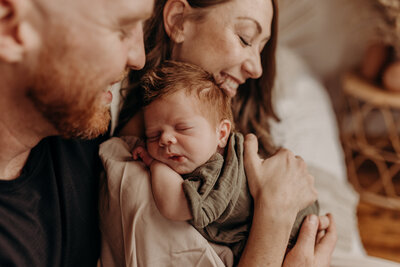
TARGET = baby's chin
x,y
180,168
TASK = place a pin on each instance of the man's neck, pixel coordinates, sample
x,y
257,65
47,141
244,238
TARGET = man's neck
x,y
21,128
15,149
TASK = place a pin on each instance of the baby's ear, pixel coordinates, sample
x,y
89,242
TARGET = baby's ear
x,y
224,130
16,33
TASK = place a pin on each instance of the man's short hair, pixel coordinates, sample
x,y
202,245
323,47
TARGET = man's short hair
x,y
171,77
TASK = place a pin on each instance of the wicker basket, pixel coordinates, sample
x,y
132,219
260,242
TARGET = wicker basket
x,y
370,126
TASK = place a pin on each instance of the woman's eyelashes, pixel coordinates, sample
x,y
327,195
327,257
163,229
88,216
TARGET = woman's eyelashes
x,y
245,41
125,32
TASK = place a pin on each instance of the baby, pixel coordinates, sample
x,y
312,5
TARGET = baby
x,y
195,157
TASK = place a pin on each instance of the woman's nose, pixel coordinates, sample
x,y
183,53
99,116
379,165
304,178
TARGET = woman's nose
x,y
252,65
136,53
167,139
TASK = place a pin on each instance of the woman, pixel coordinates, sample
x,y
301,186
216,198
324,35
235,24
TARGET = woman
x,y
235,40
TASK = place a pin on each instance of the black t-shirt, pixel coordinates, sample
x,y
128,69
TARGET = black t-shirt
x,y
49,216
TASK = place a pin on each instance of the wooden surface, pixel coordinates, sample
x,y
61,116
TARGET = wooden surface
x,y
361,89
380,231
379,225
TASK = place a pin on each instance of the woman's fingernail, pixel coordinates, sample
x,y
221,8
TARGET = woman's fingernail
x,y
313,219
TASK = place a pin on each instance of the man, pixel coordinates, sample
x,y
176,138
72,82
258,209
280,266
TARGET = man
x,y
57,61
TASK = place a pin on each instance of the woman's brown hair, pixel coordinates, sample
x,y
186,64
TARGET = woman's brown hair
x,y
252,106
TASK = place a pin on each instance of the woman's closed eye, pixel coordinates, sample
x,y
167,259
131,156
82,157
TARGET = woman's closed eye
x,y
125,33
244,41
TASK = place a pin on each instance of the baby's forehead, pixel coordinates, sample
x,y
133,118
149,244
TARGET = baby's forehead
x,y
192,100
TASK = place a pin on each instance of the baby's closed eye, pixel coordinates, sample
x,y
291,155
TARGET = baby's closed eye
x,y
152,137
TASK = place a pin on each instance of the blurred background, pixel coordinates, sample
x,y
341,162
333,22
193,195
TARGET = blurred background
x,y
352,48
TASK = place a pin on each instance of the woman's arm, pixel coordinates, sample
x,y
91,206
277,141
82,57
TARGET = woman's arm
x,y
280,186
168,194
268,238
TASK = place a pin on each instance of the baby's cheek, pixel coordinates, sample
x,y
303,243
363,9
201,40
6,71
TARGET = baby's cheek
x,y
152,150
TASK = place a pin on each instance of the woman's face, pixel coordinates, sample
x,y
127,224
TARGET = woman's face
x,y
228,42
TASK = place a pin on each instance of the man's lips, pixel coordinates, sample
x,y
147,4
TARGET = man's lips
x,y
107,96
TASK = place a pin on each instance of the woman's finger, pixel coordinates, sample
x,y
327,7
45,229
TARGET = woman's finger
x,y
327,243
320,235
324,222
307,235
251,158
252,164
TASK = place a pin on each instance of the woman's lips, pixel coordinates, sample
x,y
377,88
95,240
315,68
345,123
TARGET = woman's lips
x,y
228,84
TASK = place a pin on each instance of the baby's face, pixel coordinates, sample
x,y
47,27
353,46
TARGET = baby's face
x,y
178,134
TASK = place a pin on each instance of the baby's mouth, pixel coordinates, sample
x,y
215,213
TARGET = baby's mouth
x,y
175,157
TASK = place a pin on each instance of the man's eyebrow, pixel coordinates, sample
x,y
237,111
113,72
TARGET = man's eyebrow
x,y
259,29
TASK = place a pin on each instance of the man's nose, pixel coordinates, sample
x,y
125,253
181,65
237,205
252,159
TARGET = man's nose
x,y
136,53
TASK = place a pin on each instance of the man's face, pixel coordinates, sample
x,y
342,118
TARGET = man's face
x,y
86,47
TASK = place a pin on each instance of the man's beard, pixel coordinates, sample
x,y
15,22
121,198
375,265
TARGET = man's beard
x,y
69,99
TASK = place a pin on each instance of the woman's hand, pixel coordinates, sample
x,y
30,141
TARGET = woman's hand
x,y
281,182
315,244
281,186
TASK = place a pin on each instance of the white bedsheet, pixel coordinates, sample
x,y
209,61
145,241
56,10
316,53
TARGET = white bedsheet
x,y
308,128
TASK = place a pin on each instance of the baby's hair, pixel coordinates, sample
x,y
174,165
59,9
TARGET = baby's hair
x,y
171,77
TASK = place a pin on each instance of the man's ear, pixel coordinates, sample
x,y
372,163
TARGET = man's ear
x,y
224,130
16,34
173,13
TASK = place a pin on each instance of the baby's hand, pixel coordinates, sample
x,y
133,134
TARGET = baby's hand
x,y
140,152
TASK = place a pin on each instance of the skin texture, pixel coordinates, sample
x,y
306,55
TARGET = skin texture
x,y
220,52
179,140
227,43
182,137
218,44
68,54
83,68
